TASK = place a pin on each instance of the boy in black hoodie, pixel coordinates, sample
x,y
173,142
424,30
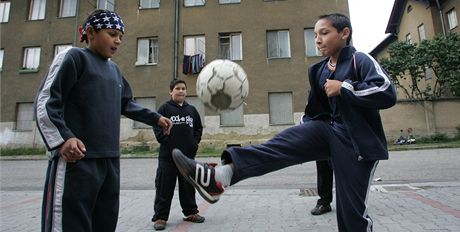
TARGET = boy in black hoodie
x,y
185,135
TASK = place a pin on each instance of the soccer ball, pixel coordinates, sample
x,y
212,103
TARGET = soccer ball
x,y
222,85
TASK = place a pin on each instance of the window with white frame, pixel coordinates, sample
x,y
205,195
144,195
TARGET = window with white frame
x,y
310,44
106,4
278,45
194,2
61,47
232,118
194,45
147,51
280,108
148,4
452,19
229,1
2,52
409,38
24,116
68,8
147,102
230,46
31,58
4,11
37,9
199,106
421,32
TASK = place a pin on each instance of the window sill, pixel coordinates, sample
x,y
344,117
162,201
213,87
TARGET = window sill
x,y
236,125
148,8
148,64
22,130
28,70
278,58
282,124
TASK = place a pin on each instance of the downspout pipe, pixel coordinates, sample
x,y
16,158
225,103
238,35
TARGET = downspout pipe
x,y
442,18
176,40
76,37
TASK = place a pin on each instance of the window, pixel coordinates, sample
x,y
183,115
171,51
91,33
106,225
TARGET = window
x,y
421,33
194,45
31,58
146,4
198,104
60,48
280,108
232,118
37,9
452,19
229,1
24,116
278,44
409,8
310,44
68,8
2,51
4,11
230,46
428,73
147,51
409,38
194,2
147,102
106,4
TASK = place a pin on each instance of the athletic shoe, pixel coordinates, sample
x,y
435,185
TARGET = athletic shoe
x,y
321,209
195,218
200,175
159,224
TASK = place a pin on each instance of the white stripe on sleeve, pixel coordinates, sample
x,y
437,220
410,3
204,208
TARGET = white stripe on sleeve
x,y
372,90
49,130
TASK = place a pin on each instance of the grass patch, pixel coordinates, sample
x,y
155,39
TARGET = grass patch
x,y
22,151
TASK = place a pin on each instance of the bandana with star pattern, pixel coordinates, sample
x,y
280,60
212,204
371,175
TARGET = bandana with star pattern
x,y
102,20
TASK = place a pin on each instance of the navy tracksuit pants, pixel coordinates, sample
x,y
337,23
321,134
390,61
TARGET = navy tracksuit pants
x,y
325,182
165,183
313,140
81,196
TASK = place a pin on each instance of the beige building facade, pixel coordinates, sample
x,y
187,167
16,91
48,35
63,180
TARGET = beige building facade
x,y
271,39
413,21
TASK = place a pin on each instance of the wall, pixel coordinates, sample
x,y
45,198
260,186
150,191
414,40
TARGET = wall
x,y
424,117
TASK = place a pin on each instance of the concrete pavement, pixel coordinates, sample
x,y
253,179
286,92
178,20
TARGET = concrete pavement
x,y
419,192
408,207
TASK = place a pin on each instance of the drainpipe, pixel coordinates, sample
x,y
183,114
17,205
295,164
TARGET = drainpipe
x,y
176,39
75,31
442,18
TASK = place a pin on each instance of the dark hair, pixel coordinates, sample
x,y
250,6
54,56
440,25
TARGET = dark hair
x,y
175,82
340,22
84,37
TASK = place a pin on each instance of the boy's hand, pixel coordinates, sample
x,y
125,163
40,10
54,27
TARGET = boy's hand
x,y
73,150
332,87
166,124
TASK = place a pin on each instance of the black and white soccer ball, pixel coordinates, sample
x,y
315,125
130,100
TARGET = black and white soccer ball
x,y
222,85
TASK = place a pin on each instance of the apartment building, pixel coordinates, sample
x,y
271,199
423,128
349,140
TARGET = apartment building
x,y
272,40
413,21
416,20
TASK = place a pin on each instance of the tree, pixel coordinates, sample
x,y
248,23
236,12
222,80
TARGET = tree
x,y
410,62
442,55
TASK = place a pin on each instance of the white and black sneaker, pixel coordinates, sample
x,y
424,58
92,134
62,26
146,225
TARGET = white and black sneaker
x,y
200,175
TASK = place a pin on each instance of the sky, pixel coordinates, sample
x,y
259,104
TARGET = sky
x,y
369,19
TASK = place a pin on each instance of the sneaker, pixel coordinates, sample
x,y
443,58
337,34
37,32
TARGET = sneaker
x,y
321,209
200,175
159,224
195,218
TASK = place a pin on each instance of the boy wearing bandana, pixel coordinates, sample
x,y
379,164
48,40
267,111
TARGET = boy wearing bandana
x,y
78,110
